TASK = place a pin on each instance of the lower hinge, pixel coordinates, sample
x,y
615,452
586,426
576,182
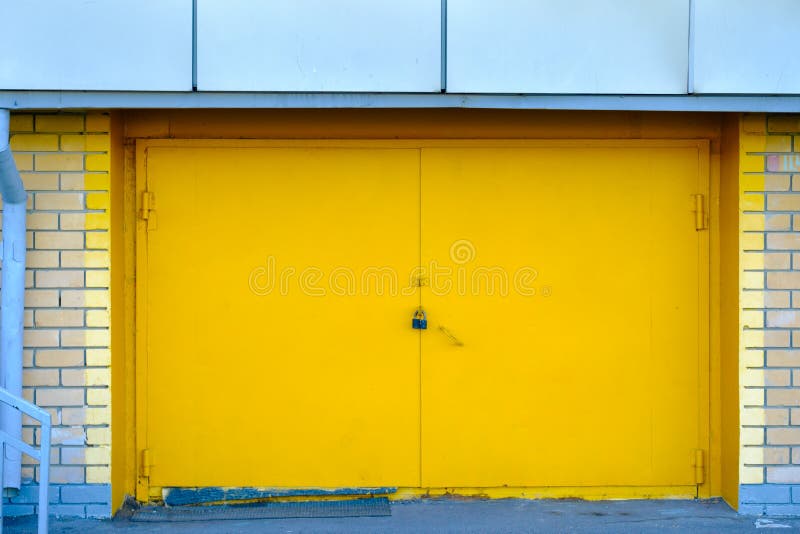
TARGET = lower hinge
x,y
145,463
700,215
699,466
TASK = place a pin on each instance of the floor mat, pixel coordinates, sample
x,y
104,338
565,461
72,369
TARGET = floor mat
x,y
371,507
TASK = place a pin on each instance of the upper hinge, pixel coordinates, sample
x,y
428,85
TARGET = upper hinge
x,y
146,462
699,465
700,215
147,209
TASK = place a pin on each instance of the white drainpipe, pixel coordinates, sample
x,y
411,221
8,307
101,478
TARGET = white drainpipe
x,y
12,297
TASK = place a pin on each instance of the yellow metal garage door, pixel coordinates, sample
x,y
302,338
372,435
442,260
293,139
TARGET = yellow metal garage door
x,y
565,286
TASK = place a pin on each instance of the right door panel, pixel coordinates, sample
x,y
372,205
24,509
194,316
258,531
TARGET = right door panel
x,y
565,302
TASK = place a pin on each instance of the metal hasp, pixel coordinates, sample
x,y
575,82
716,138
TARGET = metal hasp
x,y
12,298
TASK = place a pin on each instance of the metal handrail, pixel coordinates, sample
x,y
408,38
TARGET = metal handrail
x,y
42,453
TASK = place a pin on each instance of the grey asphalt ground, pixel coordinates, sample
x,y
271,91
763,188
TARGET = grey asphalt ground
x,y
450,515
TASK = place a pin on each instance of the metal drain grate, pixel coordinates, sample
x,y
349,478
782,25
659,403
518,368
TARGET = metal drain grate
x,y
371,507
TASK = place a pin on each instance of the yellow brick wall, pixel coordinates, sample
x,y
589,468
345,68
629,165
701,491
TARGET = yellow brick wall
x,y
770,315
63,159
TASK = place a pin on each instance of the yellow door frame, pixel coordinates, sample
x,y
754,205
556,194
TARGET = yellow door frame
x,y
709,356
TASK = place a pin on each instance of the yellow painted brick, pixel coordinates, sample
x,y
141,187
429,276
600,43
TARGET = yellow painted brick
x,y
783,123
59,358
98,357
93,259
98,474
753,222
34,142
752,319
97,201
85,338
98,122
42,258
796,339
752,396
752,202
752,241
40,338
98,143
776,338
21,122
752,455
752,163
97,162
783,202
753,338
46,318
752,417
60,396
60,123
27,317
96,182
97,318
98,436
40,181
783,241
59,162
98,240
783,280
85,416
751,358
59,201
754,123
752,299
91,298
41,298
43,221
753,143
751,182
776,299
97,221
98,455
73,142
753,280
40,377
751,475
58,240
98,396
752,260
752,436
98,279
27,358
752,377
778,143
24,162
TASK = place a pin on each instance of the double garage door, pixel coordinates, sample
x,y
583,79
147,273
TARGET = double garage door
x,y
564,286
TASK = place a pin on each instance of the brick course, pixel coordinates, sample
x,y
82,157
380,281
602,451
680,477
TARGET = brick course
x,y
64,162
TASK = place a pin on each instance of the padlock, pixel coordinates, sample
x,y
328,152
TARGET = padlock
x,y
420,321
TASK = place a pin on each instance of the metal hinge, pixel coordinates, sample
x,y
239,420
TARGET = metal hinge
x,y
146,462
699,466
147,210
700,217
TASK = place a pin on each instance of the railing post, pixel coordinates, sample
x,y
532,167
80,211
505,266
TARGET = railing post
x,y
44,475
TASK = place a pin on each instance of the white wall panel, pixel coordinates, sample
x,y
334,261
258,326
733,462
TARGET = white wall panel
x,y
747,46
319,45
567,46
133,45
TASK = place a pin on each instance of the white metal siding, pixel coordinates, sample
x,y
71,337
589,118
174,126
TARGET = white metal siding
x,y
132,45
747,46
567,46
319,45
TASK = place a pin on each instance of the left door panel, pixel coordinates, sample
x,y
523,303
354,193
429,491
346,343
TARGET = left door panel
x,y
278,349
